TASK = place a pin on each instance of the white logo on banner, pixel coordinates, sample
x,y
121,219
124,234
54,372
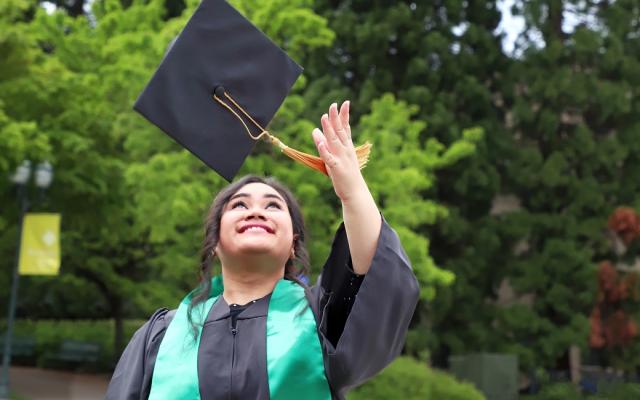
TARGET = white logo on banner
x,y
49,238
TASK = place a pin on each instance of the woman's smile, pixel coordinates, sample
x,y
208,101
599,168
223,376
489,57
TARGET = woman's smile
x,y
256,228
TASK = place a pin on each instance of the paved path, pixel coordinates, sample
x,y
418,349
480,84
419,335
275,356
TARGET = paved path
x,y
45,384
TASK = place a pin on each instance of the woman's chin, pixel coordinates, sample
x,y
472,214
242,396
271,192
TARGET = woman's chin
x,y
255,248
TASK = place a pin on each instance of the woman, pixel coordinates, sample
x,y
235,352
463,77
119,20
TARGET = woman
x,y
256,332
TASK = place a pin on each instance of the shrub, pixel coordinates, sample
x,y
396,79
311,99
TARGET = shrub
x,y
624,391
558,391
445,386
49,335
408,379
568,391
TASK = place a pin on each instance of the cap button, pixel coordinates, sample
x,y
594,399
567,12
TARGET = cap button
x,y
219,91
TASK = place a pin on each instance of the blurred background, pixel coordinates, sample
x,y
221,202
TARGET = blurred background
x,y
506,154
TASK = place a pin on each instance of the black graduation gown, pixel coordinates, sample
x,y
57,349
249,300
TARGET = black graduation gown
x,y
362,324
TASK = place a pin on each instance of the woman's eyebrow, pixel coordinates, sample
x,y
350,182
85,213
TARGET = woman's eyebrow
x,y
235,196
273,196
266,196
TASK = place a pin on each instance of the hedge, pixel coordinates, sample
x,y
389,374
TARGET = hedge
x,y
405,378
49,335
408,379
568,391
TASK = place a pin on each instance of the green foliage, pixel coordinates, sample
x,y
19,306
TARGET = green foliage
x,y
621,391
566,173
554,120
20,138
446,387
568,391
401,171
444,59
555,128
409,379
560,391
49,335
561,138
132,200
292,24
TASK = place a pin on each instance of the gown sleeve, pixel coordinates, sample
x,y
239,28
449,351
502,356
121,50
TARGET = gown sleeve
x,y
131,379
364,318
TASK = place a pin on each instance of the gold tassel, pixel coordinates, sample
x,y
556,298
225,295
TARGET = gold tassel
x,y
315,162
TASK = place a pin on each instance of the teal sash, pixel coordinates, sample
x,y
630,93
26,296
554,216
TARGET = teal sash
x,y
295,367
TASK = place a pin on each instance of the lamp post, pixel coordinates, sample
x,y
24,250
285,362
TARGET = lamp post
x,y
43,178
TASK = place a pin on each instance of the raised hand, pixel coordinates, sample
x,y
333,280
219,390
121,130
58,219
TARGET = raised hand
x,y
362,219
338,153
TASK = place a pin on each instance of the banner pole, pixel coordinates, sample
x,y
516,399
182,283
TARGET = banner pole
x,y
6,357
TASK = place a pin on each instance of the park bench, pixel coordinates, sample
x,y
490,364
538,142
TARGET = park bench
x,y
21,347
74,353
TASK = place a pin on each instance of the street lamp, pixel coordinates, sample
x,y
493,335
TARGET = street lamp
x,y
44,175
22,174
43,178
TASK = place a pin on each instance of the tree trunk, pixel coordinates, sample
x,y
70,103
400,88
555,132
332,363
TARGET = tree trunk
x,y
118,337
74,8
553,29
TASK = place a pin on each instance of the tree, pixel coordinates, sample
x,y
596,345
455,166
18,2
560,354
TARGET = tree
x,y
83,75
133,201
561,143
574,125
21,138
401,171
444,58
572,117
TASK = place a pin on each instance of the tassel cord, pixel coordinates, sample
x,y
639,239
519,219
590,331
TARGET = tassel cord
x,y
314,162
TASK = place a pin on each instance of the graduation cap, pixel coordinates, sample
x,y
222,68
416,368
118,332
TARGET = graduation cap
x,y
219,84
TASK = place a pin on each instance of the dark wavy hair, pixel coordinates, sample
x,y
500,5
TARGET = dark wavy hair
x,y
294,268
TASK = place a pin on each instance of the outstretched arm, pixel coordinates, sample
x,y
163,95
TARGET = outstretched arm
x,y
362,219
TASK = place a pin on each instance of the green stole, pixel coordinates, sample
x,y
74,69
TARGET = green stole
x,y
295,366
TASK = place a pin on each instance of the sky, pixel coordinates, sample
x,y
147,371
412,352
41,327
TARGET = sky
x,y
574,14
510,24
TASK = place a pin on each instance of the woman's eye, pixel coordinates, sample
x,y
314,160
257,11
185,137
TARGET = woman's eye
x,y
238,204
274,204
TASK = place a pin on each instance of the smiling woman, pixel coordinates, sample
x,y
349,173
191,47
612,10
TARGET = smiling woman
x,y
255,227
256,331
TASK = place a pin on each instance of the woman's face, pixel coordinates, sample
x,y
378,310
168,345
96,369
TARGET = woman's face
x,y
256,221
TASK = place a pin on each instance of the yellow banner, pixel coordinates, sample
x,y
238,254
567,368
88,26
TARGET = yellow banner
x,y
40,245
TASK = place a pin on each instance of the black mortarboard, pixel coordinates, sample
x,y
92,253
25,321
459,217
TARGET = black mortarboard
x,y
219,84
217,49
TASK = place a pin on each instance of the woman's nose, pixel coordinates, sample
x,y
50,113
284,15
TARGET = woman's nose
x,y
255,212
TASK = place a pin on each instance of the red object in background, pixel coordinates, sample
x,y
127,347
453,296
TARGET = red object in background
x,y
610,325
626,223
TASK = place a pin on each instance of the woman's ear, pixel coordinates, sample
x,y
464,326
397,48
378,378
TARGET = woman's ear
x,y
293,245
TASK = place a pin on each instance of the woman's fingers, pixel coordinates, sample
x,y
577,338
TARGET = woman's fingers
x,y
336,124
332,140
335,134
323,150
344,118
